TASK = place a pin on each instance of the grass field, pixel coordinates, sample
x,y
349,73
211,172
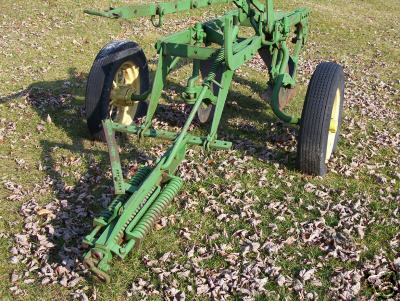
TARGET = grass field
x,y
247,225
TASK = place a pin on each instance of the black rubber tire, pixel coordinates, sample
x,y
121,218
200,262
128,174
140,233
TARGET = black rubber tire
x,y
205,114
316,117
100,79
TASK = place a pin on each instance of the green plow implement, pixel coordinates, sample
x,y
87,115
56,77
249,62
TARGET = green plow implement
x,y
119,91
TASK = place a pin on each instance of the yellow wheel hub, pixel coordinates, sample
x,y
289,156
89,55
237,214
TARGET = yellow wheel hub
x,y
126,75
333,125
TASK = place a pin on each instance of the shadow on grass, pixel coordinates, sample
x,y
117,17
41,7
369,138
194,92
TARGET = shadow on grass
x,y
79,203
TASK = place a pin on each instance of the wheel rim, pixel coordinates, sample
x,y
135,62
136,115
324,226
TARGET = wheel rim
x,y
127,75
333,125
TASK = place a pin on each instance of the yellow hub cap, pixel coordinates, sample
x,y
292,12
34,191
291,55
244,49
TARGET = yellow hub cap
x,y
333,125
127,75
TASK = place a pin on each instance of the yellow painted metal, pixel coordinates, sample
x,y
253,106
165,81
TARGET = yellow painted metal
x,y
127,75
334,125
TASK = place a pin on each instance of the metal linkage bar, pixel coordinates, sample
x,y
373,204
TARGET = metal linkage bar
x,y
167,135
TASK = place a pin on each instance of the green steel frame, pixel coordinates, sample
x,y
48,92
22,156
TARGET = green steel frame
x,y
140,200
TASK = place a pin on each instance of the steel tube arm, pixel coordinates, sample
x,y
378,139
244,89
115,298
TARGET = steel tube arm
x,y
149,10
183,134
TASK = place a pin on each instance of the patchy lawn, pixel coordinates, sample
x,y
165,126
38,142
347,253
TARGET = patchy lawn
x,y
247,224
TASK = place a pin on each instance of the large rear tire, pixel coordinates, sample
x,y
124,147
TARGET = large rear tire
x,y
117,63
321,119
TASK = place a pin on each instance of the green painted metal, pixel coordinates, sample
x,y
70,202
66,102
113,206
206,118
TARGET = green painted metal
x,y
141,199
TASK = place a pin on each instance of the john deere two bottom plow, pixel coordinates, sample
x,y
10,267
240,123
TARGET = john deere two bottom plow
x,y
118,91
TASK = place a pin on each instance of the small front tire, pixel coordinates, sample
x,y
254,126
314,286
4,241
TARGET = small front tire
x,y
117,63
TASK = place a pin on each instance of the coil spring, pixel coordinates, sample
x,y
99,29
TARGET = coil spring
x,y
148,219
220,57
136,180
140,176
132,216
106,214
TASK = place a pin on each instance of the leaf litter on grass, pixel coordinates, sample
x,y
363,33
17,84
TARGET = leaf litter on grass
x,y
243,256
